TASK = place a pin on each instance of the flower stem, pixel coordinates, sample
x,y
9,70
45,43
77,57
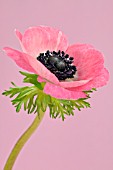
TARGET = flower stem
x,y
22,140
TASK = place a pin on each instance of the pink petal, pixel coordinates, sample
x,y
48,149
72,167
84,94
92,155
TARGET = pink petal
x,y
98,81
61,93
21,59
29,63
40,39
58,40
89,62
73,83
80,47
40,79
20,36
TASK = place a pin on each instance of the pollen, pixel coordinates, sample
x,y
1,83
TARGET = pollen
x,y
59,63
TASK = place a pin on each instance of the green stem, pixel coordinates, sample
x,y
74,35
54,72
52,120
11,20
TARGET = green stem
x,y
22,140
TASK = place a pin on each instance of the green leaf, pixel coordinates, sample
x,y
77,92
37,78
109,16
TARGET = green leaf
x,y
32,78
88,92
32,98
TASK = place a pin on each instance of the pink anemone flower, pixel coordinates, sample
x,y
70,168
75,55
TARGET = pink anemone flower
x,y
68,70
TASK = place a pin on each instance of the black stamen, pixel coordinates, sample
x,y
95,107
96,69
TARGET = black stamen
x,y
71,58
54,52
74,68
62,53
58,63
58,52
66,56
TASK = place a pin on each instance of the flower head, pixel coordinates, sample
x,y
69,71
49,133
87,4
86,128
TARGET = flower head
x,y
68,70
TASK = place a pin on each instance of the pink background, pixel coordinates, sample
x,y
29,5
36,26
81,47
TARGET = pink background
x,y
82,142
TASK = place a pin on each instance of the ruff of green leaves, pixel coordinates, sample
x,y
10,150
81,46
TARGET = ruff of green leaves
x,y
32,98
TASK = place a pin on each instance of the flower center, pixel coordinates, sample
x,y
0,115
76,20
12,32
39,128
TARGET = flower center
x,y
58,63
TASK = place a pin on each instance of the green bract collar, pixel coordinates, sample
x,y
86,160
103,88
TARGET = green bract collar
x,y
33,99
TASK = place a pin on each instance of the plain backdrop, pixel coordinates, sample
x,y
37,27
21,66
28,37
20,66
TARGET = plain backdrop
x,y
82,142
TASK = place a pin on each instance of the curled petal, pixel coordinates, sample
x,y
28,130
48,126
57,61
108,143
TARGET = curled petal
x,y
89,62
21,59
61,93
73,83
40,39
29,63
98,81
66,84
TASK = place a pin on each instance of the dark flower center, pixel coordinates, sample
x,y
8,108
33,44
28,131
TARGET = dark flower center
x,y
58,63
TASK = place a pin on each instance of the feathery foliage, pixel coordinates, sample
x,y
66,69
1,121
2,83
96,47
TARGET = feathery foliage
x,y
32,99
